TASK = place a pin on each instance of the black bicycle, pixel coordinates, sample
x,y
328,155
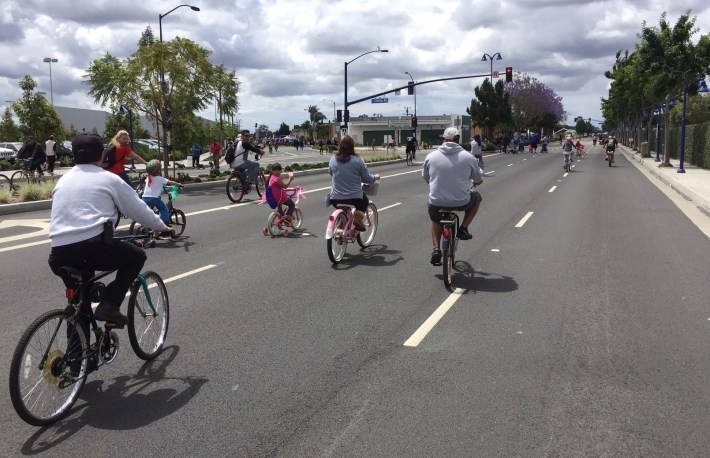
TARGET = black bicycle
x,y
238,184
176,217
449,243
55,354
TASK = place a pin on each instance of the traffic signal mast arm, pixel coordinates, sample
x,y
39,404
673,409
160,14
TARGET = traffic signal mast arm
x,y
353,102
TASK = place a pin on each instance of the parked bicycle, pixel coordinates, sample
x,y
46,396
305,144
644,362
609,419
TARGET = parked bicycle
x,y
341,229
449,243
278,223
176,217
25,175
239,184
55,354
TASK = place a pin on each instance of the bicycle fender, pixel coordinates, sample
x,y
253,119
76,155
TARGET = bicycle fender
x,y
331,224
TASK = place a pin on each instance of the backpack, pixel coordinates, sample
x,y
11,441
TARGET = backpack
x,y
270,198
109,157
230,156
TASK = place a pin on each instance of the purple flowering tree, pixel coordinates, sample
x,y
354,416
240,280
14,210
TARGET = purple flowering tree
x,y
533,104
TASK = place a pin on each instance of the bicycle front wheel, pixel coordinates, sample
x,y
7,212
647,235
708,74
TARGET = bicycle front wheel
x,y
5,183
337,245
18,178
48,368
148,316
260,184
235,188
297,218
178,221
365,238
272,224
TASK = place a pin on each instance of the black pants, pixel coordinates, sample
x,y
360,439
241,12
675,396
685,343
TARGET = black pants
x,y
50,163
360,204
291,206
36,164
94,254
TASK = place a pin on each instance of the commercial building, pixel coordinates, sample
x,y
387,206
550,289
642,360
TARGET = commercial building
x,y
377,130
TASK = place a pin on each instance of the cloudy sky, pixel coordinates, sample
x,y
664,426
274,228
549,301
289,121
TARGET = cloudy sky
x,y
290,54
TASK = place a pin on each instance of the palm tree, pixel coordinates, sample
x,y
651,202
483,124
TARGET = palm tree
x,y
316,117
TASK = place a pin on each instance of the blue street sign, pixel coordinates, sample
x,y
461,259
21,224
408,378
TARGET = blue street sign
x,y
380,100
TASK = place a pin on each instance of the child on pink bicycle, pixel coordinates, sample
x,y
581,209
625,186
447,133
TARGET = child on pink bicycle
x,y
278,189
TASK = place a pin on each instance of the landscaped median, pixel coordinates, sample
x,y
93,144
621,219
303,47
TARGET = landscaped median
x,y
37,196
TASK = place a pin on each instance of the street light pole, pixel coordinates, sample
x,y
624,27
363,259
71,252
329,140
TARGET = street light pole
x,y
162,84
414,88
346,118
495,56
49,60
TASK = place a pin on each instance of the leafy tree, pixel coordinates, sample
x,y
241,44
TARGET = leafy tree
x,y
697,110
8,129
491,108
669,61
189,81
37,116
284,129
531,102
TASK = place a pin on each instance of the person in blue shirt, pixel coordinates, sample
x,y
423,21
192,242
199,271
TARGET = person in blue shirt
x,y
196,151
348,171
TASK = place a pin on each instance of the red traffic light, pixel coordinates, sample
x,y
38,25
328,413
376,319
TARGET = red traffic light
x,y
414,121
508,74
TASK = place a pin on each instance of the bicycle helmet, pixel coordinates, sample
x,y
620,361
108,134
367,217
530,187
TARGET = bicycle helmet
x,y
153,166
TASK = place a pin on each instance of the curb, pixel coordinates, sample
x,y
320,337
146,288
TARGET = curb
x,y
23,207
686,193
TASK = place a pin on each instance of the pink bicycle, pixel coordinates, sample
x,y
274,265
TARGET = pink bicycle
x,y
278,223
341,229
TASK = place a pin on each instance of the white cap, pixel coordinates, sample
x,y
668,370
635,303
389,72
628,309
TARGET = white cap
x,y
450,133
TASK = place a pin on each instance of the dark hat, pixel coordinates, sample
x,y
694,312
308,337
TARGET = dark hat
x,y
87,142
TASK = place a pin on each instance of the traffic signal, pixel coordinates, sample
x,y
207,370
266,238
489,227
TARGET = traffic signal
x,y
508,74
346,116
414,121
339,116
410,88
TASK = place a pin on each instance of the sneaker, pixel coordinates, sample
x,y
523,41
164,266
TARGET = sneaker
x,y
436,257
108,311
463,234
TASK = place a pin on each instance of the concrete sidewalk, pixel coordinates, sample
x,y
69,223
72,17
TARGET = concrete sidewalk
x,y
693,185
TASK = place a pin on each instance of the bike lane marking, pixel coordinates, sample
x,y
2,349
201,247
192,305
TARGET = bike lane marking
x,y
180,276
426,327
525,219
552,189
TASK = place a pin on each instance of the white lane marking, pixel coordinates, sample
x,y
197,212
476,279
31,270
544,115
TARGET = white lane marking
x,y
191,272
41,227
525,219
552,189
388,207
178,277
429,324
525,159
510,165
566,173
495,250
24,245
492,171
401,173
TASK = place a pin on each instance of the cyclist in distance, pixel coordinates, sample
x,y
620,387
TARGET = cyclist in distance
x,y
449,171
567,148
85,204
348,171
242,153
412,145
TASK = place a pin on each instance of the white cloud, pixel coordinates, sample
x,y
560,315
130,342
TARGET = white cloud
x,y
290,53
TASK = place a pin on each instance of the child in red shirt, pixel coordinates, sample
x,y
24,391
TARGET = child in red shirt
x,y
277,186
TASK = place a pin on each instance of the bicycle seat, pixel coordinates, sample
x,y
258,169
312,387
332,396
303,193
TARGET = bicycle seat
x,y
344,206
71,272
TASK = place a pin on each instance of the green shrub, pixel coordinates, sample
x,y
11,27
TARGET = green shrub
x,y
5,196
66,161
5,165
36,191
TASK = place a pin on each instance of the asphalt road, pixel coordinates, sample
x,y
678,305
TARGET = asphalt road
x,y
579,327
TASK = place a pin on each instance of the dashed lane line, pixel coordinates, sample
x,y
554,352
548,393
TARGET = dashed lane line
x,y
433,319
552,189
525,219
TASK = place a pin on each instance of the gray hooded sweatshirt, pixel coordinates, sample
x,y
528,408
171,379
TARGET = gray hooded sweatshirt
x,y
449,171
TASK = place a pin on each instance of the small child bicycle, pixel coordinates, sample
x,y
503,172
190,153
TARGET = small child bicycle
x,y
278,222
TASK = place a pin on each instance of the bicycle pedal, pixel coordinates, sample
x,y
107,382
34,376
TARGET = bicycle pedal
x,y
111,325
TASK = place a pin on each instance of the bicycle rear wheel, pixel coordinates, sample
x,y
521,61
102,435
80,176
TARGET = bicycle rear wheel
x,y
235,188
178,221
19,178
5,183
148,327
447,258
337,245
48,368
365,238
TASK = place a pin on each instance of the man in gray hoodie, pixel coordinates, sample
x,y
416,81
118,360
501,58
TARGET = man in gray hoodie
x,y
449,170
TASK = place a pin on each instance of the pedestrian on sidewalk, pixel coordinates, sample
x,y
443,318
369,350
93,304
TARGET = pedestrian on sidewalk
x,y
196,151
50,150
215,149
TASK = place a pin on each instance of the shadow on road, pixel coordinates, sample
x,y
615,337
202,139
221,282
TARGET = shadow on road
x,y
374,255
128,402
466,278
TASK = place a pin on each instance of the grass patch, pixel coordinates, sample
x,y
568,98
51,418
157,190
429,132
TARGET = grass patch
x,y
384,157
36,191
5,196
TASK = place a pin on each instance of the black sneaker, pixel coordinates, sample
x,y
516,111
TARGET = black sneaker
x,y
108,311
436,257
463,234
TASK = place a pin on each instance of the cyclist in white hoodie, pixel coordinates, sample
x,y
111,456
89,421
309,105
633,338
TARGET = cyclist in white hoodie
x,y
449,170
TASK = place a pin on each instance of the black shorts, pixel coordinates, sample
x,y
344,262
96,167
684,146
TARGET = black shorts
x,y
359,204
435,216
